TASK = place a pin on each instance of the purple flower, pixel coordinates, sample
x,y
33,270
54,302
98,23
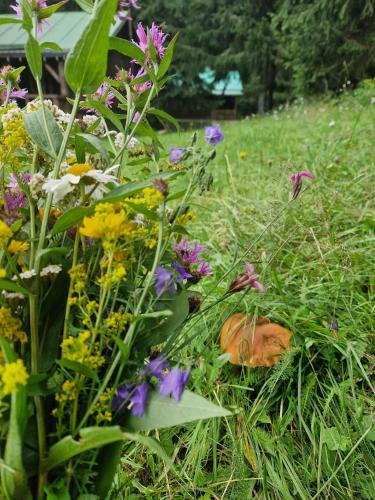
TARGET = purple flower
x,y
126,6
246,280
140,87
122,397
164,281
156,367
104,95
136,117
139,400
213,135
157,36
176,154
204,269
18,94
188,254
36,6
14,196
174,383
296,181
182,273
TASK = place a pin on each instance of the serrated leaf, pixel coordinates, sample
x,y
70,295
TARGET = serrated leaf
x,y
86,63
47,136
163,412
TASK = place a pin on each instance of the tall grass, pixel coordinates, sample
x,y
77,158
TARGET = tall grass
x,y
304,428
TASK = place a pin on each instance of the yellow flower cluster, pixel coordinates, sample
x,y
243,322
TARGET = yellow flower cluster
x,y
78,276
3,272
110,222
184,219
102,409
16,247
151,198
69,392
78,349
5,233
14,135
12,375
117,321
10,327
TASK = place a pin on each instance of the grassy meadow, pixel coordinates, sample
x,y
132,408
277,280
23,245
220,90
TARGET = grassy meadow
x,y
302,429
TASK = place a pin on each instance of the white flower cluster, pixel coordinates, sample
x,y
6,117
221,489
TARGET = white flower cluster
x,y
61,117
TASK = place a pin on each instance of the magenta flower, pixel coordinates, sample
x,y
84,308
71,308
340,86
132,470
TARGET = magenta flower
x,y
164,281
174,383
140,87
157,36
204,269
14,196
246,280
213,135
124,9
36,6
176,154
136,117
182,273
189,254
156,367
18,94
104,95
296,181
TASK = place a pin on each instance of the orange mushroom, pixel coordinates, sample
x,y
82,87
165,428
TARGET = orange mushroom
x,y
253,343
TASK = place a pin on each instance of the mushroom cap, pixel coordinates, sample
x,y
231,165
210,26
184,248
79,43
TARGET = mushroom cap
x,y
253,342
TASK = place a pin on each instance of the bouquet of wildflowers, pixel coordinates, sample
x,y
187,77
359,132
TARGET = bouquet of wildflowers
x,y
96,262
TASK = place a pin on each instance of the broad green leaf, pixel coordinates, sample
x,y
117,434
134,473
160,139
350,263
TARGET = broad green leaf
x,y
143,210
334,440
51,9
163,412
34,57
164,116
167,59
50,46
91,144
86,63
10,20
157,333
85,5
107,465
127,48
144,129
92,438
27,15
11,286
105,112
74,216
78,368
47,136
47,252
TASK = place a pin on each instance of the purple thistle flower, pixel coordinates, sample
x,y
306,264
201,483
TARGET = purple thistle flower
x,y
139,400
213,135
157,36
246,280
182,273
104,95
176,154
188,254
164,281
204,269
156,367
296,181
19,94
174,383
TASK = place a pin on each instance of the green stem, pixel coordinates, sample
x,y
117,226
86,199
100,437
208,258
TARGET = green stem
x,y
74,263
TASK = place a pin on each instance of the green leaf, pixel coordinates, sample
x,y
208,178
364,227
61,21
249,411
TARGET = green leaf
x,y
165,116
127,48
86,63
334,440
105,112
179,305
71,218
91,144
11,286
92,438
47,136
86,5
143,210
79,368
10,20
167,59
163,412
34,57
107,465
27,15
51,9
50,46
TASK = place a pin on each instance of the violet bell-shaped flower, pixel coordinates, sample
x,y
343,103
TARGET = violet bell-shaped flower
x,y
164,281
213,135
176,154
174,383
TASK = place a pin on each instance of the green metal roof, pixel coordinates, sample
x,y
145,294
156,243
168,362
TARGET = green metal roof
x,y
231,85
64,28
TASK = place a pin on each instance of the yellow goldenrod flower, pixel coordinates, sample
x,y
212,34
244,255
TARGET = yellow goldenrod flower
x,y
10,327
16,247
12,375
78,276
110,222
5,232
78,349
69,392
3,272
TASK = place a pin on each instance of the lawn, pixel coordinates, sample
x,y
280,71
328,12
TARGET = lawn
x,y
302,429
